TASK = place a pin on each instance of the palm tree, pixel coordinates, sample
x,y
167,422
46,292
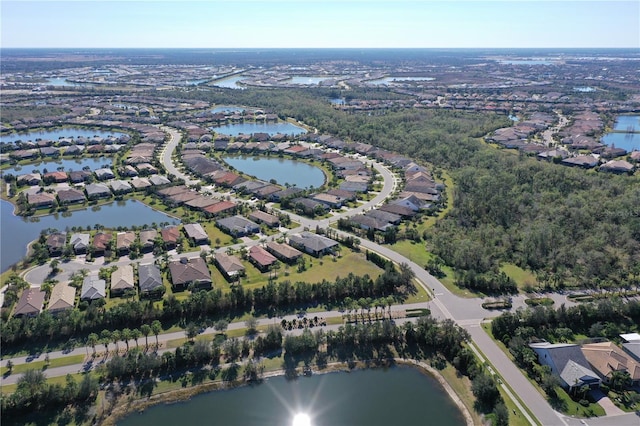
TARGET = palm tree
x,y
105,336
145,330
156,327
115,338
135,335
126,336
92,339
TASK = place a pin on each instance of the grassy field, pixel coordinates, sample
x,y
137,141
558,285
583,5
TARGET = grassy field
x,y
522,277
40,365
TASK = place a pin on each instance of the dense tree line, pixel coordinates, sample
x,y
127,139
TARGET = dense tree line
x,y
204,306
569,226
605,318
33,394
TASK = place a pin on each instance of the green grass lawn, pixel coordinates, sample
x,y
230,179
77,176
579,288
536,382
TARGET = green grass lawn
x,y
521,276
39,365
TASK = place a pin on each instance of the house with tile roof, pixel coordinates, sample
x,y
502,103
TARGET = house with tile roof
x,y
122,280
30,303
190,271
63,297
230,266
261,258
314,244
606,358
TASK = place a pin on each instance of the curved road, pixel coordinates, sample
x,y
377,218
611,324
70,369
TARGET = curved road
x,y
467,313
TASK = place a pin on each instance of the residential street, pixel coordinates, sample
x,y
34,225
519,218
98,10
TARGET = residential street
x,y
466,312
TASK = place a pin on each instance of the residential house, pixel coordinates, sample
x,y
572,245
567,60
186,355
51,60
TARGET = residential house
x,y
150,280
80,242
93,288
104,174
148,239
398,210
259,216
568,363
238,226
200,202
170,235
70,196
411,202
101,243
196,233
369,222
284,252
261,258
222,207
29,179
385,216
97,190
314,244
41,199
332,201
63,297
122,280
120,187
230,266
56,242
79,176
140,183
55,177
617,166
30,303
124,241
606,358
157,180
186,272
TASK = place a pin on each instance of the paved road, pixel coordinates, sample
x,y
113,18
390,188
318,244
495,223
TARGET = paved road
x,y
466,312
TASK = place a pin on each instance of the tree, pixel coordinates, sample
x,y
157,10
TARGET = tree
x,y
221,326
115,338
485,390
10,366
135,335
191,331
145,329
501,414
126,336
92,340
620,380
156,327
31,382
252,326
105,336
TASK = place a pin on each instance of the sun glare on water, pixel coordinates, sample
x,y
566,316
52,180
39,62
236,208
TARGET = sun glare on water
x,y
301,419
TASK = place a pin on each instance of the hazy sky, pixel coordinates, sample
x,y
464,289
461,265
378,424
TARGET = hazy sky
x,y
329,23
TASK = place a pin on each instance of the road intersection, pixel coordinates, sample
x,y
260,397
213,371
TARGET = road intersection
x,y
468,313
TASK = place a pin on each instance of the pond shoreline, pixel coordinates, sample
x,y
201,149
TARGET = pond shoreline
x,y
128,408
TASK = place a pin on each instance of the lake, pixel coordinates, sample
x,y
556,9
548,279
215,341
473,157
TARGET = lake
x,y
18,232
249,128
229,82
308,80
396,396
283,170
392,80
625,123
628,141
66,164
227,109
55,134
